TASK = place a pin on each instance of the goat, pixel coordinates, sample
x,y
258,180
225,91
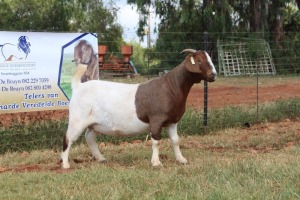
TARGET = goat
x,y
121,109
84,54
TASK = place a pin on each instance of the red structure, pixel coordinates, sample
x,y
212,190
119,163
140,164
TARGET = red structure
x,y
115,66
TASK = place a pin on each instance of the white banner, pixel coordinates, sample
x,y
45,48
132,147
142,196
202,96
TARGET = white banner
x,y
36,69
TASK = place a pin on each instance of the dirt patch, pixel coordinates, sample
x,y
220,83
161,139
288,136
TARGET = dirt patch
x,y
35,168
235,95
25,118
259,138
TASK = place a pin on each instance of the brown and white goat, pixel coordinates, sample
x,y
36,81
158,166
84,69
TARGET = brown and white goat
x,y
120,109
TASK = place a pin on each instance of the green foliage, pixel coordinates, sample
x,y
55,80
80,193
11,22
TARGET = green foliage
x,y
92,16
182,24
286,57
255,46
35,15
62,16
138,57
8,20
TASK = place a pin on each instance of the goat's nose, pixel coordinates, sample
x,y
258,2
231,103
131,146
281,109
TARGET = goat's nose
x,y
215,75
212,76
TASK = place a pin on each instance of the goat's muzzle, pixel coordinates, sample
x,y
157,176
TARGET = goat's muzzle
x,y
211,77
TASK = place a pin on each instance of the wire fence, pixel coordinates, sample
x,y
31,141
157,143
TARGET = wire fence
x,y
165,54
232,100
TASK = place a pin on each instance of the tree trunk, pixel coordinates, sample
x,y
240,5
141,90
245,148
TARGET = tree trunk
x,y
298,4
255,15
278,22
278,34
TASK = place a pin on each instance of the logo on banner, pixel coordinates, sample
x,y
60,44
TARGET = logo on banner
x,y
16,51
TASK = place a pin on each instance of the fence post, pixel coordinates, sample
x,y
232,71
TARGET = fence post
x,y
205,86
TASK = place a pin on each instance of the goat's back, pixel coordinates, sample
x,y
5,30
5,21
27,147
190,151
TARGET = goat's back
x,y
104,92
108,106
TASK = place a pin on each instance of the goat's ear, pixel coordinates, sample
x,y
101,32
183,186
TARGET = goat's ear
x,y
192,64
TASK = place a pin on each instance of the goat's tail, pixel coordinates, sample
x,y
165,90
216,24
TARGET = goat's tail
x,y
76,80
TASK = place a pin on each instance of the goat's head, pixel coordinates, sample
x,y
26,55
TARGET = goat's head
x,y
83,52
199,62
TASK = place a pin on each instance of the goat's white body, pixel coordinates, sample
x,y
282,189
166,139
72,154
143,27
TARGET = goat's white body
x,y
108,108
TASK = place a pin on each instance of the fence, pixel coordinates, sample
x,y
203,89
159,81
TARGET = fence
x,y
284,54
232,100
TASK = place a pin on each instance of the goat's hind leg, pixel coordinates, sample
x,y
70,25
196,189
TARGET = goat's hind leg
x,y
71,136
90,136
172,131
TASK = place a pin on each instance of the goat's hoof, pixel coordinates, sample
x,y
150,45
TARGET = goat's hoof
x,y
156,163
66,166
102,161
182,161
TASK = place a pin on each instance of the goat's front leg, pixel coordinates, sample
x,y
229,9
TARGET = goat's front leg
x,y
172,131
155,153
155,138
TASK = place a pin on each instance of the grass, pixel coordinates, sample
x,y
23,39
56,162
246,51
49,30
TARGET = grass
x,y
227,160
34,136
234,163
237,116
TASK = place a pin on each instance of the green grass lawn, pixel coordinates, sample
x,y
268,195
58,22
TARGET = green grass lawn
x,y
261,162
228,161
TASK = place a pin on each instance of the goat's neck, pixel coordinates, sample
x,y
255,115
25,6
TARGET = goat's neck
x,y
180,79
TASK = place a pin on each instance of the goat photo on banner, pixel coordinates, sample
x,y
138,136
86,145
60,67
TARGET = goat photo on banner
x,y
79,51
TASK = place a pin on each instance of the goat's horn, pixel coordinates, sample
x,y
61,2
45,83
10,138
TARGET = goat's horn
x,y
189,50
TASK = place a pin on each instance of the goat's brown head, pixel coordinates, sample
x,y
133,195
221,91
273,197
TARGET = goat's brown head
x,y
83,52
199,62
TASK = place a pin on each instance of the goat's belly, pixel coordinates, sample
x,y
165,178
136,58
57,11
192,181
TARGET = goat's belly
x,y
129,130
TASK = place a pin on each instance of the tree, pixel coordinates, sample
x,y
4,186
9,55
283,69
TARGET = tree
x,y
62,15
138,57
298,4
7,16
35,15
255,15
277,20
182,24
92,16
56,15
